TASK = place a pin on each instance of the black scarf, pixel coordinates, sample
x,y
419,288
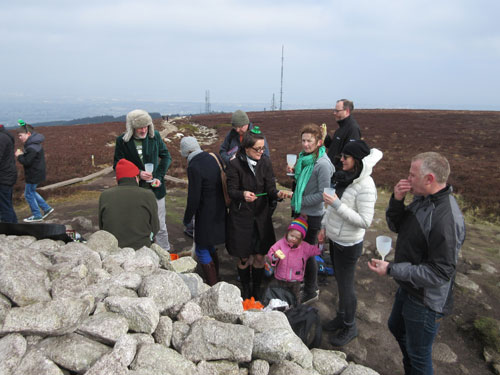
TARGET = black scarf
x,y
342,179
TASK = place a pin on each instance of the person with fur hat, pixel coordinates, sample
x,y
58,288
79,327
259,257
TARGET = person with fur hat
x,y
127,211
141,144
349,213
8,176
240,125
205,202
289,256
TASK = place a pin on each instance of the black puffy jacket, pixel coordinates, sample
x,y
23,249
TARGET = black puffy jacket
x,y
8,171
33,159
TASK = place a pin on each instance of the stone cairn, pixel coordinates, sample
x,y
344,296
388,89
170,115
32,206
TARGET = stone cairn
x,y
94,308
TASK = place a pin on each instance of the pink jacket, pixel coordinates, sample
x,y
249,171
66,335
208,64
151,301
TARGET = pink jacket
x,y
292,267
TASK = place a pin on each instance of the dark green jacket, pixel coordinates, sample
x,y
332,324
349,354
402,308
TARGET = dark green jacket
x,y
153,151
130,213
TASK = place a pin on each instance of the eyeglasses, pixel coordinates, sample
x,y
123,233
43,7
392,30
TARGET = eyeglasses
x,y
258,149
345,156
338,110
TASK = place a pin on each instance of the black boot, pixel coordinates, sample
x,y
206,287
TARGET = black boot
x,y
210,273
257,274
336,323
215,258
244,275
344,335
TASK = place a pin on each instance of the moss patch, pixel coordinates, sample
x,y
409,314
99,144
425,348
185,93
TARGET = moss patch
x,y
488,330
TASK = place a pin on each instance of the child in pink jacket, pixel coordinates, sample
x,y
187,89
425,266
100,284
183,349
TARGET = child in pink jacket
x,y
289,256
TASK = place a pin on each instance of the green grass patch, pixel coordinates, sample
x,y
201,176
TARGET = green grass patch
x,y
488,330
218,126
189,127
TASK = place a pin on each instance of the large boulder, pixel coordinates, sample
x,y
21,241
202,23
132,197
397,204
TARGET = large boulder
x,y
106,327
12,349
210,340
52,318
158,359
222,302
142,314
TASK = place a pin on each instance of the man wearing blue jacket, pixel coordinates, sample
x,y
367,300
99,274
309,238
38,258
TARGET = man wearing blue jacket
x,y
431,231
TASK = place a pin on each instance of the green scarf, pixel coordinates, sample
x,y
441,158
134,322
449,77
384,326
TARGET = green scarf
x,y
303,171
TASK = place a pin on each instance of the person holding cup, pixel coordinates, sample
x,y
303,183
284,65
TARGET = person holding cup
x,y
350,211
312,172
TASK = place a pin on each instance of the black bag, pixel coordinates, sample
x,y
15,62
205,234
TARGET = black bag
x,y
38,230
277,292
306,324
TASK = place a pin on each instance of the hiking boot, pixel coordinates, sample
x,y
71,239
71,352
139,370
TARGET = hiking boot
x,y
210,273
335,324
344,335
309,297
33,219
47,213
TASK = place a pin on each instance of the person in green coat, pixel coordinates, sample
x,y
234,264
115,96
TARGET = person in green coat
x,y
142,144
127,211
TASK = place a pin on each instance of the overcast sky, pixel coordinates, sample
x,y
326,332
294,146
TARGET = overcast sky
x,y
387,54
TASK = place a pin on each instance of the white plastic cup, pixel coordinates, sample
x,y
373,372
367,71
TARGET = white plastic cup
x,y
383,245
329,191
149,167
291,159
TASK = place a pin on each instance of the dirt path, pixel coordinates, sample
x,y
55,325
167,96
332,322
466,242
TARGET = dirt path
x,y
374,347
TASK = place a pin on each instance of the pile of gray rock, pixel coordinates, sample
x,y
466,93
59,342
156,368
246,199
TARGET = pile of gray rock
x,y
95,308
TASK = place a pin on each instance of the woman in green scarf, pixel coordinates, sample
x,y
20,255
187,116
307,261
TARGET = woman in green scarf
x,y
313,172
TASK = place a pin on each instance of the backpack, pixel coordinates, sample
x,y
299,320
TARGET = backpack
x,y
224,180
306,324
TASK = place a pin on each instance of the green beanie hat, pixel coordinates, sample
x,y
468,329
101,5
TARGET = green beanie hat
x,y
239,119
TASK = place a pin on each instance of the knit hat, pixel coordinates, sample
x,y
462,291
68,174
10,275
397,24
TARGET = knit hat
x,y
239,119
188,145
138,118
357,149
299,224
125,168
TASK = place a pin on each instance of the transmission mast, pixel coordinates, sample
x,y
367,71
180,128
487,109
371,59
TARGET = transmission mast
x,y
208,108
273,104
281,90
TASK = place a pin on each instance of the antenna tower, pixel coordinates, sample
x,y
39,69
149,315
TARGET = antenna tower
x,y
208,108
273,104
281,90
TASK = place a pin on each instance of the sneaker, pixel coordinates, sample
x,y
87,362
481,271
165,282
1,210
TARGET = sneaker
x,y
308,298
47,213
335,324
344,335
33,219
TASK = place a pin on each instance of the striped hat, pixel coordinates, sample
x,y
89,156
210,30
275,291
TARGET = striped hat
x,y
299,224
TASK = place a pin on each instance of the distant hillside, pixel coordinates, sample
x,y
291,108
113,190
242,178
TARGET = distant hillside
x,y
91,120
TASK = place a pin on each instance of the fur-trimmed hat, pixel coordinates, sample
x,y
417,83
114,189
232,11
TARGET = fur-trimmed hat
x,y
188,145
125,168
138,118
299,224
239,119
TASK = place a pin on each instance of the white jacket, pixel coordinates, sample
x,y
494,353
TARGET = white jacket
x,y
347,219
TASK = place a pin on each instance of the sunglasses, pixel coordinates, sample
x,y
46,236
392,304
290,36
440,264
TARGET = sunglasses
x,y
345,156
258,149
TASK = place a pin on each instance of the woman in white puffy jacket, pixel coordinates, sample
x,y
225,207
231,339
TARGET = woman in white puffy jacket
x,y
350,211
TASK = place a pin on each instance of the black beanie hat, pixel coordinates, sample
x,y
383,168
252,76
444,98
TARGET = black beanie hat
x,y
357,149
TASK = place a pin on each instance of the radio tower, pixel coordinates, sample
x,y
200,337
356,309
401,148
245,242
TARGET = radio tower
x,y
273,104
281,90
207,101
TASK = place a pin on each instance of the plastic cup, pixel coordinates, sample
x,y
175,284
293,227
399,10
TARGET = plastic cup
x,y
383,245
149,167
329,191
291,159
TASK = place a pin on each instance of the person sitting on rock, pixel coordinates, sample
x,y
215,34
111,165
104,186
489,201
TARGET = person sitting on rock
x,y
128,211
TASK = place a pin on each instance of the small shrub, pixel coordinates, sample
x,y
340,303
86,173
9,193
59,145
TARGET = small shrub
x,y
488,330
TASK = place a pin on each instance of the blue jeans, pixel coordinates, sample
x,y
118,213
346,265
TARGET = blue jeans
x,y
35,201
7,213
414,326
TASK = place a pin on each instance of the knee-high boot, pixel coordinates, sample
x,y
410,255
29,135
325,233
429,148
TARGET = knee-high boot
x,y
257,274
245,282
210,274
215,258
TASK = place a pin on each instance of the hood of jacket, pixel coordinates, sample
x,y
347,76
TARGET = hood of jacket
x,y
369,161
34,141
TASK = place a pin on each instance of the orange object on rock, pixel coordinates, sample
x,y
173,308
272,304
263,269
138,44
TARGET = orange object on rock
x,y
250,304
174,256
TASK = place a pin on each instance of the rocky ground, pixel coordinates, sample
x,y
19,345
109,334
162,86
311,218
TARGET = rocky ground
x,y
459,348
